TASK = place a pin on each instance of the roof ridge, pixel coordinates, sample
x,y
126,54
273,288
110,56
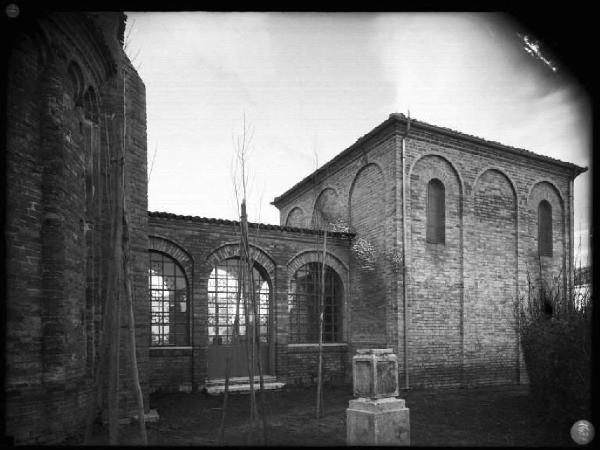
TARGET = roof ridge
x,y
484,140
402,118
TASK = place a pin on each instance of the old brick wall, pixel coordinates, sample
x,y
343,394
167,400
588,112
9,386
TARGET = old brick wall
x,y
434,275
495,245
198,244
460,294
59,86
367,200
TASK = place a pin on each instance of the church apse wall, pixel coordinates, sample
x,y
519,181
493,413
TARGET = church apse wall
x,y
66,117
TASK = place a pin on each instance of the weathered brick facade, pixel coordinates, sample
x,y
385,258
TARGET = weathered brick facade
x,y
446,309
73,100
456,322
198,244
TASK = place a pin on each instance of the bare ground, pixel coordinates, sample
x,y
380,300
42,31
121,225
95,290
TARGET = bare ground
x,y
491,416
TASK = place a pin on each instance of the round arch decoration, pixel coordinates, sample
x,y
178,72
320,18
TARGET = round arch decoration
x,y
175,251
326,206
295,218
232,250
339,268
308,256
359,172
553,187
501,172
461,184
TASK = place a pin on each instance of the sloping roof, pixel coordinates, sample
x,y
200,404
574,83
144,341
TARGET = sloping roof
x,y
401,118
264,226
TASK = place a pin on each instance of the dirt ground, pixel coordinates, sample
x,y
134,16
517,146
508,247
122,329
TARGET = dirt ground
x,y
498,416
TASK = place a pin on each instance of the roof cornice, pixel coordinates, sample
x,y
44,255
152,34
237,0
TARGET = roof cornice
x,y
263,226
390,126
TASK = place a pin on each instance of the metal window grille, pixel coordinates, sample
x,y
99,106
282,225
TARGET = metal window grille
x,y
169,302
436,212
303,305
223,286
545,228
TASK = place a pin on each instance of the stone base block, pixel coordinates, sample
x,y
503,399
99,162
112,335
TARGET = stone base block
x,y
377,422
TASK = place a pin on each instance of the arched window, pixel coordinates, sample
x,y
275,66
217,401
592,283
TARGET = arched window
x,y
305,292
169,302
436,212
226,299
545,228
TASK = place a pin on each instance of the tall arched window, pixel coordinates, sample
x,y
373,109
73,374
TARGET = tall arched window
x,y
169,302
436,212
226,299
545,228
305,292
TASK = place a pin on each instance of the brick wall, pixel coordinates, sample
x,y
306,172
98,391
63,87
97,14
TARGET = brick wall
x,y
434,274
460,294
199,244
495,246
56,219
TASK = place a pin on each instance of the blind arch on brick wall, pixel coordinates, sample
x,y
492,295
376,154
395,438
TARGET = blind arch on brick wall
x,y
545,185
550,268
436,212
435,272
544,228
366,204
295,218
327,210
492,259
546,191
501,172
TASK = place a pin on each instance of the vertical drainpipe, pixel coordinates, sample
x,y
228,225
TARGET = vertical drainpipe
x,y
404,299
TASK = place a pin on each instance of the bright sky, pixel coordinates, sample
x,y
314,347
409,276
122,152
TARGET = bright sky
x,y
315,82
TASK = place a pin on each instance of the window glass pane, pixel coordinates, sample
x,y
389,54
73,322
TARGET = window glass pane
x,y
545,228
227,298
436,212
303,304
169,308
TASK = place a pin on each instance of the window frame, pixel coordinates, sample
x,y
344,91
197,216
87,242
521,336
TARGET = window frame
x,y
545,229
303,325
172,334
216,338
435,233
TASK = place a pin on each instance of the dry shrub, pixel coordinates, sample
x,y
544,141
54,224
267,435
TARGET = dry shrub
x,y
556,334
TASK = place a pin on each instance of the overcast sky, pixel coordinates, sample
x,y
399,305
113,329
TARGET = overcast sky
x,y
315,82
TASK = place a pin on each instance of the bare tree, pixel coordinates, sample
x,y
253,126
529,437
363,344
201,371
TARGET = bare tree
x,y
246,292
118,288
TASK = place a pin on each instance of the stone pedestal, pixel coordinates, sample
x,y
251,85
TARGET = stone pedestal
x,y
376,416
375,373
377,422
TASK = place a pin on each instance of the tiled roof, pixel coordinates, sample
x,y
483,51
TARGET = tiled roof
x,y
399,117
264,226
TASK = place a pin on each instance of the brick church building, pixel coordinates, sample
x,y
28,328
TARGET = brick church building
x,y
432,236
